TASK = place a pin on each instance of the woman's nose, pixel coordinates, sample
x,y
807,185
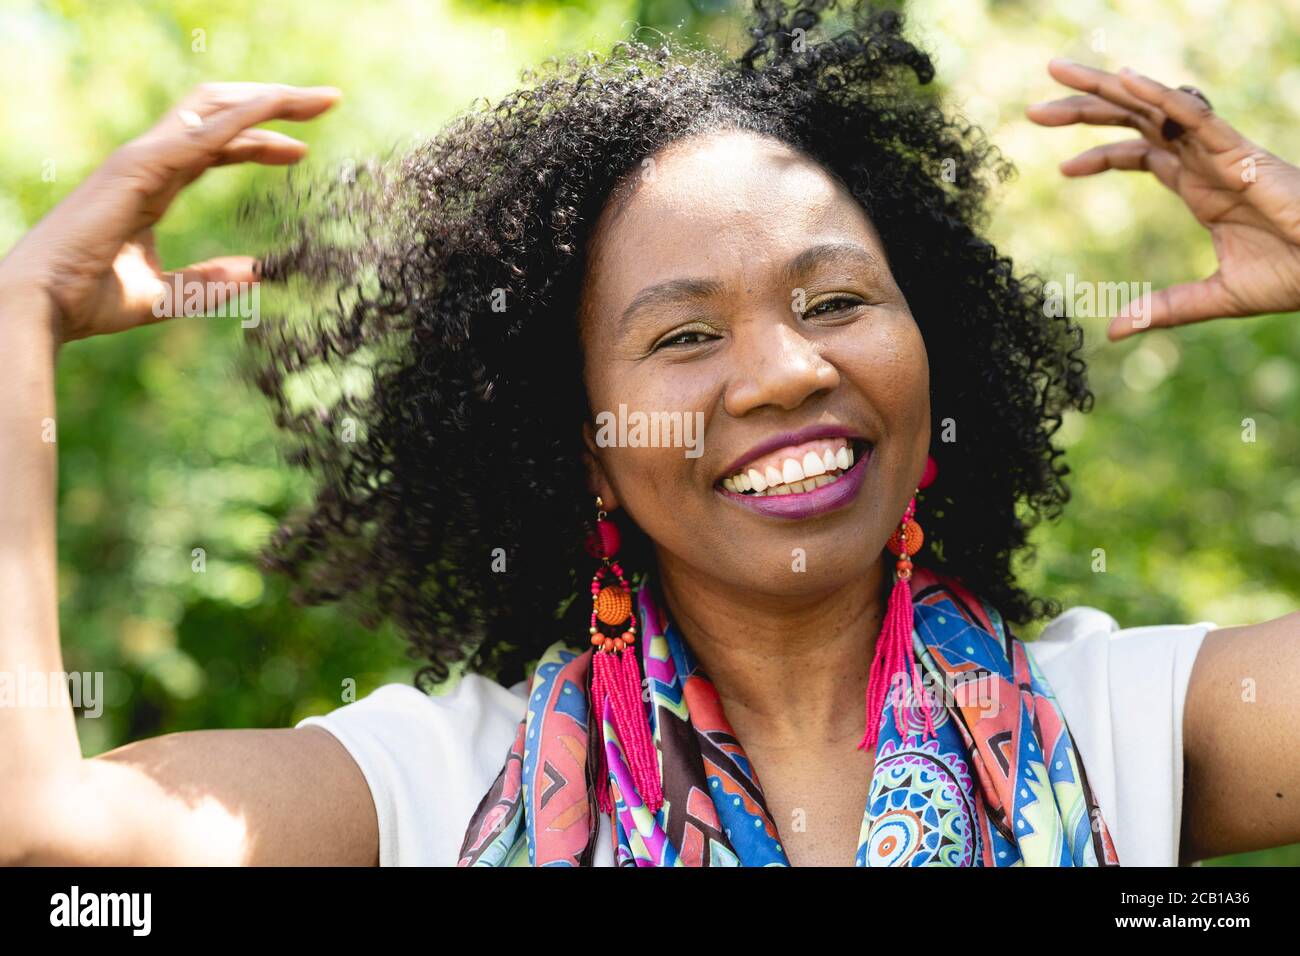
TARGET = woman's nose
x,y
777,365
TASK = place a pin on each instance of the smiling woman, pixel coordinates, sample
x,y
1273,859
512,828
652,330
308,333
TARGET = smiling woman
x,y
691,235
786,249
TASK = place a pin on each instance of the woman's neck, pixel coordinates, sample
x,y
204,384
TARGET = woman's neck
x,y
781,665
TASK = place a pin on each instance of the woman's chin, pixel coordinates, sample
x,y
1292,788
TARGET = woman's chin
x,y
784,573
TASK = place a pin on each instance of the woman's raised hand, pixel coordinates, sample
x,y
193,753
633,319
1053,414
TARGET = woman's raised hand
x,y
1248,198
217,797
93,256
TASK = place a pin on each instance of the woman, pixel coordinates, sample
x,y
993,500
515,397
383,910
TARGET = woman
x,y
779,258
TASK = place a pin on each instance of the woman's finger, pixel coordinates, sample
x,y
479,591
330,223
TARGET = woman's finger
x,y
223,269
263,146
193,137
202,287
1100,83
1189,111
1133,155
131,191
1177,305
207,100
1091,109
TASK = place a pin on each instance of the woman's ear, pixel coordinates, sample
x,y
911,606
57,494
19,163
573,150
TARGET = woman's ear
x,y
597,480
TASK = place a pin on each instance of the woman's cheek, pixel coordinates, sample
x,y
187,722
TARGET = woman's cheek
x,y
653,485
886,360
656,436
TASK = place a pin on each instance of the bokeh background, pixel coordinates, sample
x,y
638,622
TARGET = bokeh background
x,y
163,450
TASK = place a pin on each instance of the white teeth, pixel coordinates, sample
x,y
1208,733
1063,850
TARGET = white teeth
x,y
794,476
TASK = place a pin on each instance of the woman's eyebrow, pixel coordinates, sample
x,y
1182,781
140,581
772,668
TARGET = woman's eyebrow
x,y
672,292
848,255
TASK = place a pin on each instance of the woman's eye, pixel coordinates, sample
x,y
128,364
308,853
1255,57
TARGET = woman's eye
x,y
684,338
831,306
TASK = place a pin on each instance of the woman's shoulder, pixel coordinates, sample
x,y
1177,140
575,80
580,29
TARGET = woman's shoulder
x,y
1085,652
395,714
1083,625
472,695
427,759
1098,670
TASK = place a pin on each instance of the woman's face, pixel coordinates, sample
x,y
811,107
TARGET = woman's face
x,y
742,287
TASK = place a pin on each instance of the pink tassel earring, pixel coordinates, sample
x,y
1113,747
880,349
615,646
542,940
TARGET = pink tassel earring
x,y
615,675
894,661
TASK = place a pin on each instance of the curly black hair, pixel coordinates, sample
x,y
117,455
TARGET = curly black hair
x,y
444,400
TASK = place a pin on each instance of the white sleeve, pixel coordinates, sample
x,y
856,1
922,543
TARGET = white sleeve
x,y
427,760
1122,693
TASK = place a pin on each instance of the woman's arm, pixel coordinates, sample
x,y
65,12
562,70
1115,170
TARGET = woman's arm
x,y
1241,719
1241,741
245,796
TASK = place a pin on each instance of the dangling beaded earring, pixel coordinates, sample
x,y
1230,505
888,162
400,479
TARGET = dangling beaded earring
x,y
615,675
894,662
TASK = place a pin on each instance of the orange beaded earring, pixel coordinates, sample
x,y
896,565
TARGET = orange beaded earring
x,y
611,603
615,674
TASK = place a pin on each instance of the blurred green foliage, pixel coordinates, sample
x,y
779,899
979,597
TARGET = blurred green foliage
x,y
163,451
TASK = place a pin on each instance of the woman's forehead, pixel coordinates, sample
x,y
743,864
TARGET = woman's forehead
x,y
731,201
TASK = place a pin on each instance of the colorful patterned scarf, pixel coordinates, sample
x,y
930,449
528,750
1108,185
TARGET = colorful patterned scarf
x,y
1000,784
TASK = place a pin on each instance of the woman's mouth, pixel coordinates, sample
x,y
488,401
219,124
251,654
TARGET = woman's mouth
x,y
802,480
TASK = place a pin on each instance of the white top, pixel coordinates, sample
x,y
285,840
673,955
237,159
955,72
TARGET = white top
x,y
429,760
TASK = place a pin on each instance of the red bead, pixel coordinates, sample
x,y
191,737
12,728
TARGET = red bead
x,y
930,473
605,541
